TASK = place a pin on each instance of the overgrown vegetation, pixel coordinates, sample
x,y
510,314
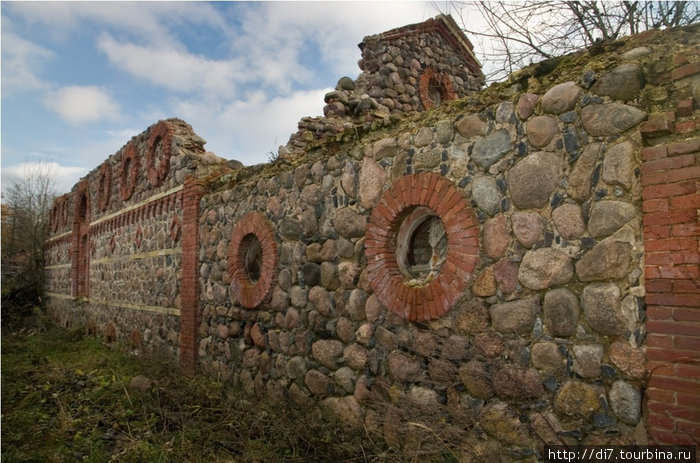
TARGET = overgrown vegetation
x,y
67,397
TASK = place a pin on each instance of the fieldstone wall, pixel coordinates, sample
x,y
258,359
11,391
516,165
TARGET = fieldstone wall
x,y
114,257
512,269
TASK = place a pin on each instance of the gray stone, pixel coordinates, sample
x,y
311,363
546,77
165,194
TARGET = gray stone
x,y
619,165
140,383
486,195
636,53
427,159
311,194
528,228
477,379
471,125
327,352
356,356
386,147
601,120
312,273
606,217
545,267
513,383
372,181
601,304
587,360
290,228
345,378
404,368
423,137
298,297
516,316
547,357
561,98
503,423
349,223
623,82
504,112
345,83
526,105
626,402
608,260
345,330
348,272
577,399
561,309
581,176
348,180
344,410
532,180
541,130
443,131
296,367
356,304
491,148
568,220
319,297
317,382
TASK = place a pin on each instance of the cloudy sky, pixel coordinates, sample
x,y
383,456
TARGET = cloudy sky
x,y
79,79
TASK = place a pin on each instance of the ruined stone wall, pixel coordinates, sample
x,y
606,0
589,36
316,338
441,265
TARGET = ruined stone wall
x,y
512,269
116,243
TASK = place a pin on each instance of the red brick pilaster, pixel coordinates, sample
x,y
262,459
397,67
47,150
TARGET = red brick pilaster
x,y
670,205
189,287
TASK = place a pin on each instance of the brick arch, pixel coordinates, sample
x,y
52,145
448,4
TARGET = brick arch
x,y
128,172
430,299
433,81
104,186
158,163
249,291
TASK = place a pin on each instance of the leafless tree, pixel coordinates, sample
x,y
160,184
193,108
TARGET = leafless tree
x,y
25,222
513,34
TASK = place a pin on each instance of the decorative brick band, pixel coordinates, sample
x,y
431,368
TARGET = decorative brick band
x,y
435,88
128,172
252,258
189,287
430,298
159,153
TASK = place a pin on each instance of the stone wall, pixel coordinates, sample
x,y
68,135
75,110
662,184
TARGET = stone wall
x,y
116,243
492,273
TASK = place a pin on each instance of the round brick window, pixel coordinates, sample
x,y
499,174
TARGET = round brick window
x,y
435,88
252,258
421,246
128,173
159,153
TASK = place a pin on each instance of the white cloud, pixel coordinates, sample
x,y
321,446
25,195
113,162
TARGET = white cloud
x,y
64,177
83,104
172,68
247,130
20,62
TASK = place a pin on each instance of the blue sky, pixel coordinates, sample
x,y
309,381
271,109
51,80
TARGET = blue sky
x,y
79,79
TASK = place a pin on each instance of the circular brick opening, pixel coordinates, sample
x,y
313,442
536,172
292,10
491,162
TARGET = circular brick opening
x,y
421,246
252,259
435,88
159,153
251,250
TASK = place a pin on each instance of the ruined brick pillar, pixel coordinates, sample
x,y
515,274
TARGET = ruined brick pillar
x,y
189,288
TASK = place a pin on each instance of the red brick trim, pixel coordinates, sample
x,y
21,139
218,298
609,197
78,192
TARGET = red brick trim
x,y
670,202
104,186
189,286
128,172
161,135
80,242
433,299
442,83
251,293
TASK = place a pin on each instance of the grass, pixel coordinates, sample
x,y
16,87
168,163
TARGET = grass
x,y
66,397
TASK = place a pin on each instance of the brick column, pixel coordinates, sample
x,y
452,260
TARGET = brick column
x,y
189,287
670,203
